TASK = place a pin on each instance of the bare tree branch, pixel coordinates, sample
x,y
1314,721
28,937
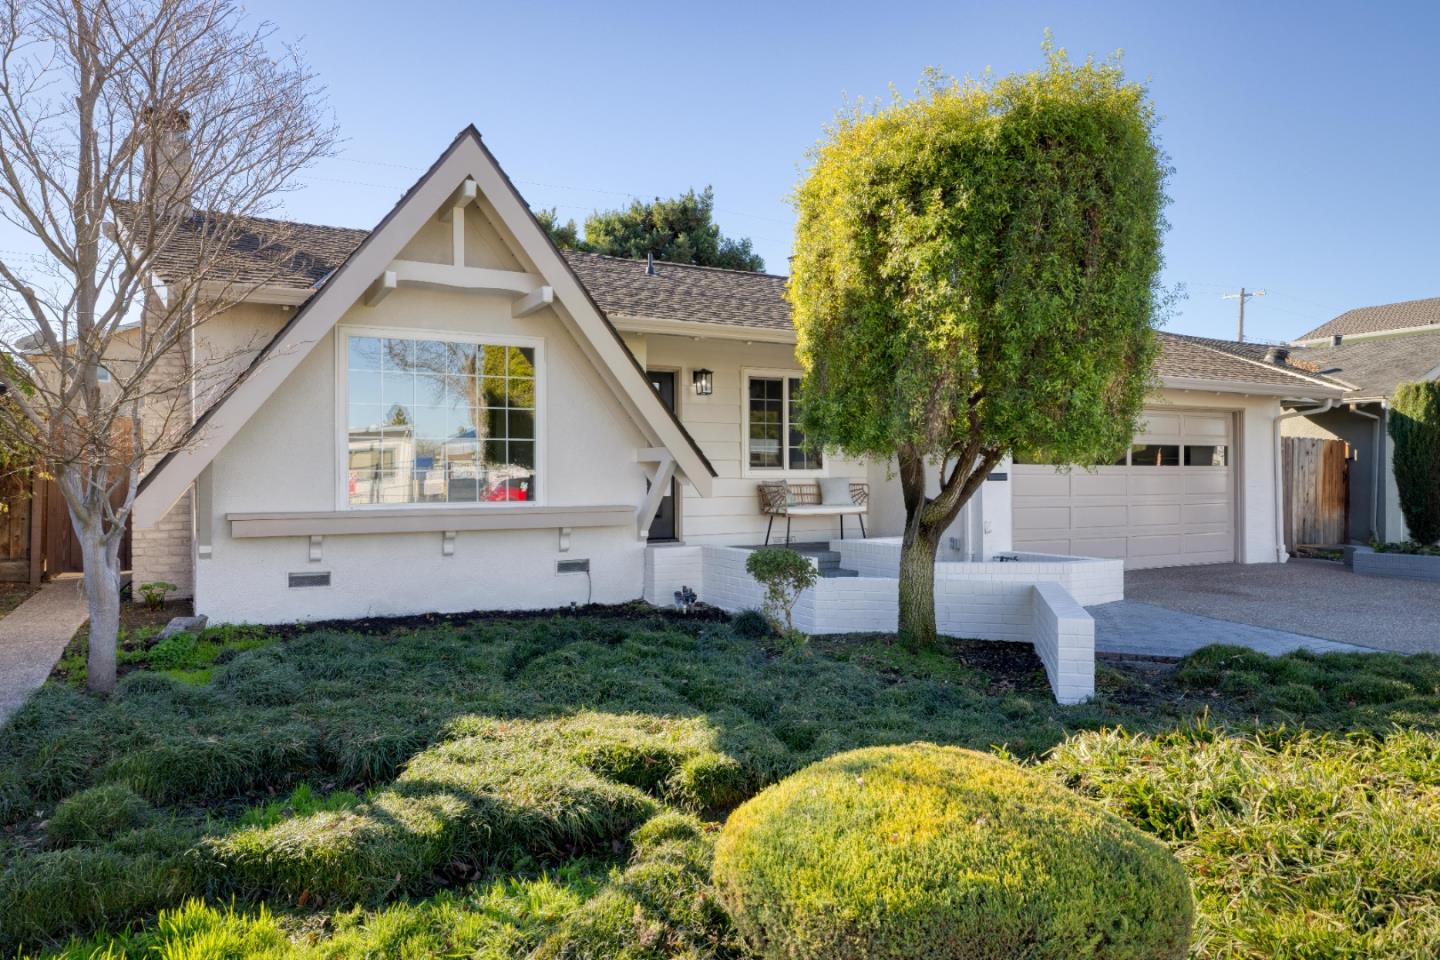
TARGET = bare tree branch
x,y
130,129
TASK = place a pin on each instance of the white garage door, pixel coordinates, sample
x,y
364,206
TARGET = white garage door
x,y
1171,503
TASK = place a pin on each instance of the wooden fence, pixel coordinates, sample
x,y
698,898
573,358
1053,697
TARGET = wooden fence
x,y
37,538
1317,492
17,529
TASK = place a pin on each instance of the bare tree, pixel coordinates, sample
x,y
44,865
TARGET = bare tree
x,y
129,130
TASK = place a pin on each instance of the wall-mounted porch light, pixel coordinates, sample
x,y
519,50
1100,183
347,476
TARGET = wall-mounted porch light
x,y
704,382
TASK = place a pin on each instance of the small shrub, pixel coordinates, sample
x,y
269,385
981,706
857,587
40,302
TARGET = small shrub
x,y
1414,424
785,575
891,853
751,624
97,814
154,593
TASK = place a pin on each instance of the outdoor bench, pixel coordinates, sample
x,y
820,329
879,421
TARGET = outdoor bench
x,y
830,497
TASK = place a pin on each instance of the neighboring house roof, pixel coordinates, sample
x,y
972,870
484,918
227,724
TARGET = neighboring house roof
x,y
1185,358
1375,366
467,158
1406,315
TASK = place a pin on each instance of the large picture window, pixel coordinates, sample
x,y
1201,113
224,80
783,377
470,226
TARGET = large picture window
x,y
775,440
439,421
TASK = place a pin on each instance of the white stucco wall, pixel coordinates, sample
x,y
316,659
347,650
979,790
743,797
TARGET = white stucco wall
x,y
286,459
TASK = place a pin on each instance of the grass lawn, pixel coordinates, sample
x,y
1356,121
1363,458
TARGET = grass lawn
x,y
12,595
550,786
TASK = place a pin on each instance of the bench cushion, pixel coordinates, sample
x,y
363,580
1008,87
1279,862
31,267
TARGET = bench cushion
x,y
823,509
835,492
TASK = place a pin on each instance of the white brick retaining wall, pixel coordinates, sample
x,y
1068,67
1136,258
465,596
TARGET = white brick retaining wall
x,y
1031,600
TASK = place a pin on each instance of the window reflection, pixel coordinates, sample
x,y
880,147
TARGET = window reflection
x,y
1155,455
434,421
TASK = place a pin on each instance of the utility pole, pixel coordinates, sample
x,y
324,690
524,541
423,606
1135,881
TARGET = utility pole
x,y
1242,296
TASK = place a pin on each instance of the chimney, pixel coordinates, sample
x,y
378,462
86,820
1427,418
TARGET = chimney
x,y
168,154
649,264
1277,355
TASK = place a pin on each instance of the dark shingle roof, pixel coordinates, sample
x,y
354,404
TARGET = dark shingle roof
x,y
1377,365
301,255
258,250
1209,359
737,298
1388,316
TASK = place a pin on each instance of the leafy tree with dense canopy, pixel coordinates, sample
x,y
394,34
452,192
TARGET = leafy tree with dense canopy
x,y
1414,426
566,235
975,274
679,230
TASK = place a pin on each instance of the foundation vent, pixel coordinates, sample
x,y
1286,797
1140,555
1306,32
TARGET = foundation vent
x,y
572,566
309,580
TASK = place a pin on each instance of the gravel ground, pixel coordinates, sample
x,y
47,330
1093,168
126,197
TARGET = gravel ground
x,y
1317,598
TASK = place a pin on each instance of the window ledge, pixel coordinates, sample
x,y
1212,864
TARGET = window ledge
x,y
425,520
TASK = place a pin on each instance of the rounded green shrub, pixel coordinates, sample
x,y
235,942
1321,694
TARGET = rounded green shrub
x,y
97,814
938,852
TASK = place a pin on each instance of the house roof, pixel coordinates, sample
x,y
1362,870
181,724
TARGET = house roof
x,y
742,299
1375,366
675,291
1188,357
261,250
1406,315
467,158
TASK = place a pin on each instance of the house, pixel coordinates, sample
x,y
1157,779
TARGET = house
x,y
448,413
1373,350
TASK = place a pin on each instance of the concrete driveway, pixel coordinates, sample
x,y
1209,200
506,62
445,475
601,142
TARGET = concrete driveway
x,y
1302,598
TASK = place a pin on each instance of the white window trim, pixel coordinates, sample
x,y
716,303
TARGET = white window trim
x,y
343,333
746,470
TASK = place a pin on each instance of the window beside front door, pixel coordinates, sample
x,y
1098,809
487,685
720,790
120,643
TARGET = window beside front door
x,y
774,440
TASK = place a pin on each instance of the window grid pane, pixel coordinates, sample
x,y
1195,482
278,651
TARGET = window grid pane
x,y
1155,455
434,421
767,409
802,455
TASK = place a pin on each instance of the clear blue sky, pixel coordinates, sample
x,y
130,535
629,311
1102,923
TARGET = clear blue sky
x,y
1305,137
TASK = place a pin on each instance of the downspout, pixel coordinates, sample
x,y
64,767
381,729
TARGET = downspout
x,y
1377,467
1281,554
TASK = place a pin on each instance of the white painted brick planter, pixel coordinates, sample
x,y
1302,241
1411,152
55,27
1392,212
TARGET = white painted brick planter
x,y
1036,599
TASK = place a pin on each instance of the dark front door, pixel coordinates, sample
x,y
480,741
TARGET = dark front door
x,y
663,526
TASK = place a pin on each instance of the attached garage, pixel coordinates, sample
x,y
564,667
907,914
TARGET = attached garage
x,y
1170,503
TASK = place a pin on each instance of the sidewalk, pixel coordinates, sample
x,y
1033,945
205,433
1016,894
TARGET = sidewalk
x,y
32,637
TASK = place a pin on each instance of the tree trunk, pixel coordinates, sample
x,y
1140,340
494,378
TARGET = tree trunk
x,y
926,520
917,584
101,554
